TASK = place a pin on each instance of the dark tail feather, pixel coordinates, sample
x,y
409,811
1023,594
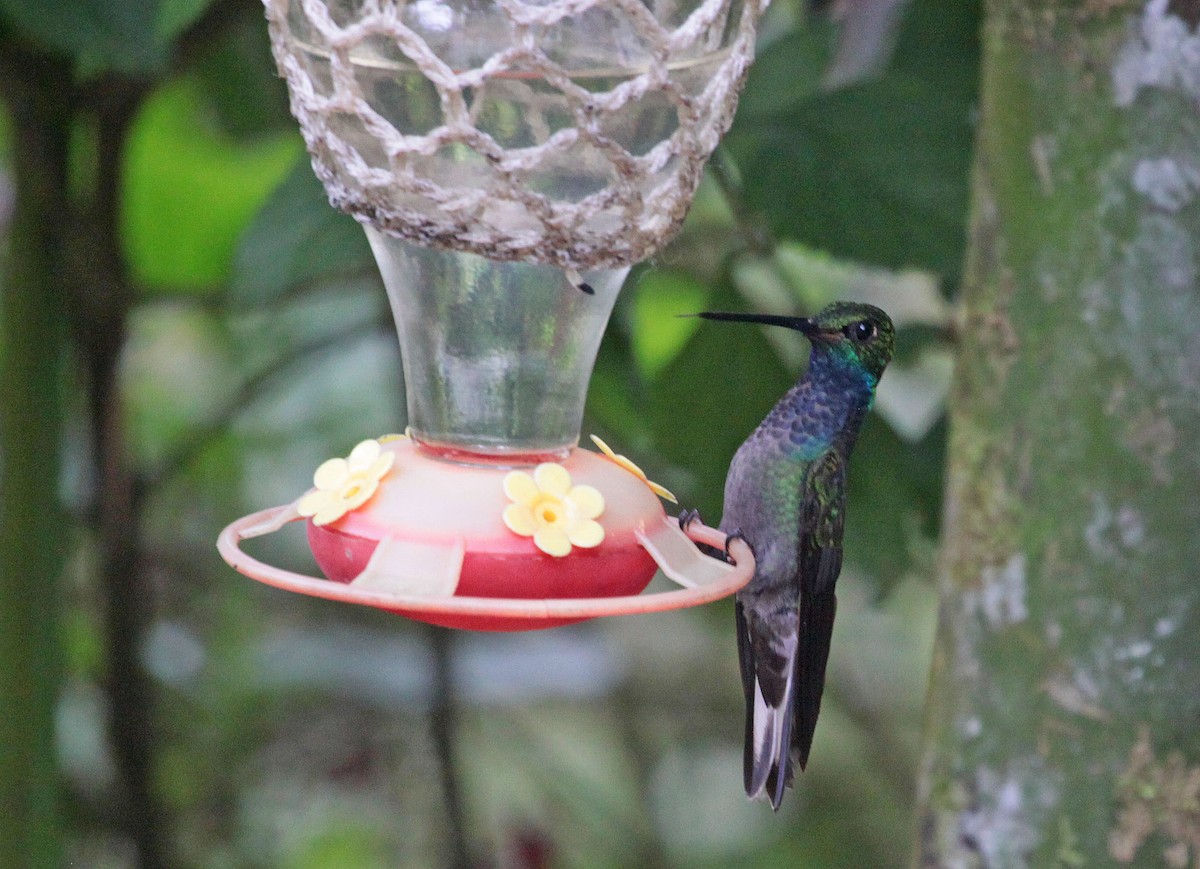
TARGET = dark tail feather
x,y
768,682
816,631
746,665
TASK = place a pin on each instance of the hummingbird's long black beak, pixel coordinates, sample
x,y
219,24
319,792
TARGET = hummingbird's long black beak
x,y
803,325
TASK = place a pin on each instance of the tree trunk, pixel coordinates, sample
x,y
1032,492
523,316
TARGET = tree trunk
x,y
33,534
1063,721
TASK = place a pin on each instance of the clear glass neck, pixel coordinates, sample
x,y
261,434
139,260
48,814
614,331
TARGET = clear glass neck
x,y
497,356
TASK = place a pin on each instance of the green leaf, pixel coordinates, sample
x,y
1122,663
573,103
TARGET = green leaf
x,y
874,172
939,43
99,34
176,16
191,190
877,171
297,238
659,332
788,72
240,77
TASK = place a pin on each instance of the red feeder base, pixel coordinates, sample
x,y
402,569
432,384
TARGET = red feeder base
x,y
431,545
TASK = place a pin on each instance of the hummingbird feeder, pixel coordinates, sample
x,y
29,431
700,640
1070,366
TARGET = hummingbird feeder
x,y
509,160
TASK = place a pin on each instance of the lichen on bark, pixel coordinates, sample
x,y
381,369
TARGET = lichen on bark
x,y
1158,799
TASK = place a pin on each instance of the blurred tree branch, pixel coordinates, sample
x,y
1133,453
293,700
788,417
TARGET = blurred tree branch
x,y
38,93
100,299
249,391
751,224
443,723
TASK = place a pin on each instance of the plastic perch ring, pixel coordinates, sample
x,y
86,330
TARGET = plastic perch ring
x,y
484,577
713,581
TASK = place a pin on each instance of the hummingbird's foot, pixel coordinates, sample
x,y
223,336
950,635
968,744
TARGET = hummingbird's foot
x,y
687,518
736,534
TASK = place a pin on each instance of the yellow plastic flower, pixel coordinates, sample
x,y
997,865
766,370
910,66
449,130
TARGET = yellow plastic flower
x,y
554,513
627,464
345,484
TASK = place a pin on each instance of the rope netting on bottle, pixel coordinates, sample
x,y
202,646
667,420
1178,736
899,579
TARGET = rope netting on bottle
x,y
567,132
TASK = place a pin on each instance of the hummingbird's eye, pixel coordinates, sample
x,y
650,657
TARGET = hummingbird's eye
x,y
863,330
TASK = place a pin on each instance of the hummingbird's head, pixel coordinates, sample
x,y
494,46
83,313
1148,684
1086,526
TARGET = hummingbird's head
x,y
861,333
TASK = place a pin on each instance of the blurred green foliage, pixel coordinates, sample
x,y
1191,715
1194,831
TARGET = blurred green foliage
x,y
875,170
292,731
180,162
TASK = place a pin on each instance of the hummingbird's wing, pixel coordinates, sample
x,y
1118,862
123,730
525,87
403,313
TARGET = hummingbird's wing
x,y
818,565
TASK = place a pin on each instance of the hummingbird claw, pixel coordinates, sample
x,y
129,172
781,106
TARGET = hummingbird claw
x,y
736,534
687,518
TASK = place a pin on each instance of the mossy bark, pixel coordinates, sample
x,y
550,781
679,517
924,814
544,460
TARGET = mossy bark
x,y
1067,661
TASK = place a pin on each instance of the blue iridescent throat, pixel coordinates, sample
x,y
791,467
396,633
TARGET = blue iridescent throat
x,y
828,403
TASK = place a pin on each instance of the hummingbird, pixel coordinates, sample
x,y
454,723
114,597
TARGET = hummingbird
x,y
785,496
